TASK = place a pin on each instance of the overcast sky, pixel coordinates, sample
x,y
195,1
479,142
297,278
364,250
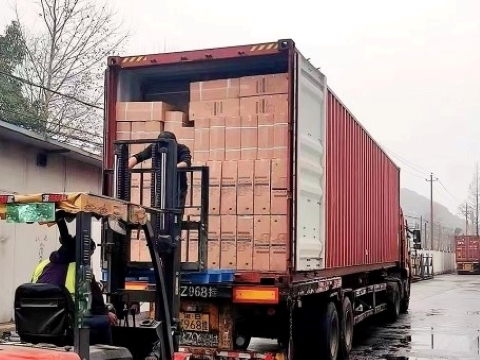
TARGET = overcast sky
x,y
408,70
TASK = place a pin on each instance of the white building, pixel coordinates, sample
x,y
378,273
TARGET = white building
x,y
30,163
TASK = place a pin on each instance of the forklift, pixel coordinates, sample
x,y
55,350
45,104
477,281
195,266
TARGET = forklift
x,y
49,322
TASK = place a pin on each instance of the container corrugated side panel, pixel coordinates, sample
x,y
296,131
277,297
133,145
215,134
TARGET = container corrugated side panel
x,y
467,248
363,205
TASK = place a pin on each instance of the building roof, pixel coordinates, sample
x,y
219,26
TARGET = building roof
x,y
20,135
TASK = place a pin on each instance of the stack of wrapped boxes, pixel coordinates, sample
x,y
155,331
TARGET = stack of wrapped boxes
x,y
239,128
142,121
241,133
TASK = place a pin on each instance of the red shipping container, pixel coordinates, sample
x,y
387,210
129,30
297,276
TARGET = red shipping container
x,y
363,195
467,248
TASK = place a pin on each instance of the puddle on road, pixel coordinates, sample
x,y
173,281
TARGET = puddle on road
x,y
402,341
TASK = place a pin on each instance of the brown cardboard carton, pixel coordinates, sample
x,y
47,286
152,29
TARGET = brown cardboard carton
x,y
269,104
262,229
142,111
215,169
228,245
279,174
210,109
245,187
214,90
278,258
213,242
261,257
261,187
192,252
217,138
263,85
232,138
279,203
123,130
245,242
134,250
279,230
228,188
249,137
265,141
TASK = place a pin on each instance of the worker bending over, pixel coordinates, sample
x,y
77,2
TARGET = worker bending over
x,y
59,270
184,159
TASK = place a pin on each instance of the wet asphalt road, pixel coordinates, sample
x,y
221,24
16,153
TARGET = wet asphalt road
x,y
443,323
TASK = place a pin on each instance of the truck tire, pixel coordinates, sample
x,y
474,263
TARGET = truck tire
x,y
347,325
330,333
406,298
393,302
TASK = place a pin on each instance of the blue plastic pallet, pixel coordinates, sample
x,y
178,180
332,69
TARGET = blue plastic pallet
x,y
211,276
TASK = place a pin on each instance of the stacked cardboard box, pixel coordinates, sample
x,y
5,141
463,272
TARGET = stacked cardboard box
x,y
143,121
241,133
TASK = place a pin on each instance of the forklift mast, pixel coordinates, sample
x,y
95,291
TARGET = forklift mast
x,y
162,233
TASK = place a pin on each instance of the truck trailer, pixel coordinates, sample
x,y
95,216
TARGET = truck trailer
x,y
467,249
300,232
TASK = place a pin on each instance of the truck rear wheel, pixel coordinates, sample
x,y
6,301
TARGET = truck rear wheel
x,y
346,338
330,333
406,298
393,302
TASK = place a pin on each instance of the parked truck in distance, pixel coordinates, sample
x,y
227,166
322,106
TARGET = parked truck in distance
x,y
467,250
304,236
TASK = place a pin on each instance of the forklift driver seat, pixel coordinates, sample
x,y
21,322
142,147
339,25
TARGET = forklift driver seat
x,y
44,314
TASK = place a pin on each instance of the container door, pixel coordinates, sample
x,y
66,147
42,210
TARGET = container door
x,y
311,90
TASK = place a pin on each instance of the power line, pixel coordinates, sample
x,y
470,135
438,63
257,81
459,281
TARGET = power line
x,y
50,90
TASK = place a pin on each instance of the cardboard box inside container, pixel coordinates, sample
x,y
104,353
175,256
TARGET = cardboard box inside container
x,y
215,169
261,257
261,187
245,187
279,202
279,174
142,111
195,190
265,141
123,130
215,90
278,258
210,109
202,139
217,139
232,138
261,229
269,104
264,85
228,248
279,230
192,244
213,242
228,188
249,137
135,250
245,242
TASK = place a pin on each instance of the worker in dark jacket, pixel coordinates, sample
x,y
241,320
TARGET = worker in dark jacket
x,y
184,159
59,270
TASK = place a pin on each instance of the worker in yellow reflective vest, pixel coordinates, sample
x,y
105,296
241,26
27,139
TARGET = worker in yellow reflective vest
x,y
59,270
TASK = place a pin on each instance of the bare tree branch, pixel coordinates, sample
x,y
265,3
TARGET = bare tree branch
x,y
68,57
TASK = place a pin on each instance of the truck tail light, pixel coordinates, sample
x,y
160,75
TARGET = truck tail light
x,y
255,295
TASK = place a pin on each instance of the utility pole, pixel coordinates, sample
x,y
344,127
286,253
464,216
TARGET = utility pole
x,y
431,180
466,210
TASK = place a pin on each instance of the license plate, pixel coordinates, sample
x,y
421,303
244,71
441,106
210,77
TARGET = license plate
x,y
192,321
468,267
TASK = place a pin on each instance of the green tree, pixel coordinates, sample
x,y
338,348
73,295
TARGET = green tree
x,y
14,107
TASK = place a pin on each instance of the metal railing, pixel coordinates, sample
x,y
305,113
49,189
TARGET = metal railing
x,y
422,266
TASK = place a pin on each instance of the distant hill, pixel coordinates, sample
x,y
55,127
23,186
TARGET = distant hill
x,y
417,205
